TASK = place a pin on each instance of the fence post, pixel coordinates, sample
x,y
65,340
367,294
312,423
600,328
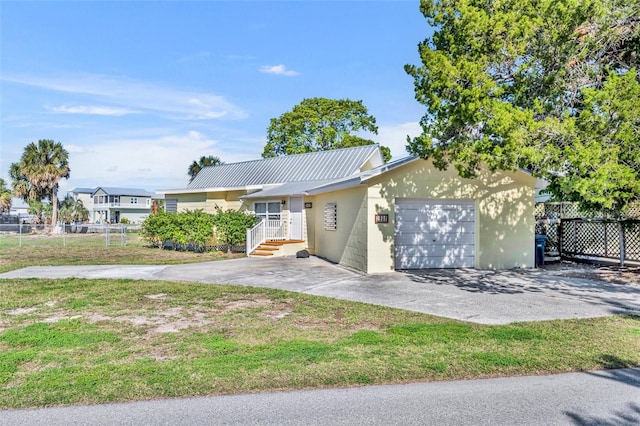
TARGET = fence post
x,y
20,235
248,241
622,241
560,239
606,240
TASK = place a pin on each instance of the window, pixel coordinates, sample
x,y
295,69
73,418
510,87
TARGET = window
x,y
270,210
171,205
148,202
330,217
134,200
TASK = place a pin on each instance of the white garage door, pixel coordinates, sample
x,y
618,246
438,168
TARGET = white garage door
x,y
434,234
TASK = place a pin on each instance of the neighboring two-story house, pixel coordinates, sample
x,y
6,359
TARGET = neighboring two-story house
x,y
111,205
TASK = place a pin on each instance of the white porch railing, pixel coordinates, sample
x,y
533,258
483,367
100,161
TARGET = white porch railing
x,y
121,205
263,231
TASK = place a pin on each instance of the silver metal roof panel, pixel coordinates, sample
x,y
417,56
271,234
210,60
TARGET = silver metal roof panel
x,y
314,166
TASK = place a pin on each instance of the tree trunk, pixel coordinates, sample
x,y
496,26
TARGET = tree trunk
x,y
54,206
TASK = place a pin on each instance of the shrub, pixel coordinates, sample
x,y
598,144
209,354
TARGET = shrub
x,y
158,228
231,226
195,229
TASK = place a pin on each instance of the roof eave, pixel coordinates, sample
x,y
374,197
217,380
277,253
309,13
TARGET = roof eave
x,y
212,189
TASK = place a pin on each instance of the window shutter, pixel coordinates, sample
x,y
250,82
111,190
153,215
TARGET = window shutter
x,y
330,217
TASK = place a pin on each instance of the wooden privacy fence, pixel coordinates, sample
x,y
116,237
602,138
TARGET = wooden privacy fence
x,y
598,238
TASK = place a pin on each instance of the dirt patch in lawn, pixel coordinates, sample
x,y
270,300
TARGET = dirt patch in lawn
x,y
627,275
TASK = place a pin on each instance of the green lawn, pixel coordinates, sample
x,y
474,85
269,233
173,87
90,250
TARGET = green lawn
x,y
88,249
76,341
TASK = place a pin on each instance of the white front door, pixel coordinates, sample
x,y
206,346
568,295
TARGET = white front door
x,y
295,218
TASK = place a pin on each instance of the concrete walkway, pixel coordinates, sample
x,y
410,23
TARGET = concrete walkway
x,y
488,297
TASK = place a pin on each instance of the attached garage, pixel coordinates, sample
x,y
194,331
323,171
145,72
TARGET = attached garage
x,y
434,234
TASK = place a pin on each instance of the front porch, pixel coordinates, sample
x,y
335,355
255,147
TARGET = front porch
x,y
271,237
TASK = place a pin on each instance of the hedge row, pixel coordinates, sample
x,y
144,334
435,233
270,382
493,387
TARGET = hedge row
x,y
196,230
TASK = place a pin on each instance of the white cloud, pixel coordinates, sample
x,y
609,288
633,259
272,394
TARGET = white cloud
x,y
91,110
395,137
278,70
134,95
153,162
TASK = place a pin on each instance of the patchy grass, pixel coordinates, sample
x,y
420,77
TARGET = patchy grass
x,y
77,341
91,250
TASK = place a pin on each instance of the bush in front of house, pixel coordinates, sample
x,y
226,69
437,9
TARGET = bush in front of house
x,y
231,226
196,230
157,229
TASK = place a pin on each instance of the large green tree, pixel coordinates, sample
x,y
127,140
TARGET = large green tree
x,y
37,174
548,85
196,166
320,124
5,197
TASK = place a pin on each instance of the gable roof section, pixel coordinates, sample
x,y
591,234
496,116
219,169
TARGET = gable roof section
x,y
360,178
313,166
318,187
135,192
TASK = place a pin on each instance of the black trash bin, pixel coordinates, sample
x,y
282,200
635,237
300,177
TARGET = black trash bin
x,y
541,242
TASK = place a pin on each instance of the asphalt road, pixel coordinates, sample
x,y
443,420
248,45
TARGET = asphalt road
x,y
609,397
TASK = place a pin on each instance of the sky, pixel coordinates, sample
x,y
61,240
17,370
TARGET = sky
x,y
137,90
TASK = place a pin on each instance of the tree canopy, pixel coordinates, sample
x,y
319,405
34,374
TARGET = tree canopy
x,y
320,124
547,85
196,166
5,197
36,175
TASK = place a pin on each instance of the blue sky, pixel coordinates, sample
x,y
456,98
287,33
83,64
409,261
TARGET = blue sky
x,y
137,90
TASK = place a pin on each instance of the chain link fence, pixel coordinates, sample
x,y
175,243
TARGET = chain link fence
x,y
37,235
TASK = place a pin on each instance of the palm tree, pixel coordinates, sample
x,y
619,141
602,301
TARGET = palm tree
x,y
72,210
196,166
5,197
38,172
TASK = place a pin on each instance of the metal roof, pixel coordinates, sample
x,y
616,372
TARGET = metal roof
x,y
81,190
124,191
360,178
317,187
286,189
314,166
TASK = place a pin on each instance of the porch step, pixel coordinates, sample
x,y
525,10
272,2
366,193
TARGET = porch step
x,y
281,242
259,252
271,248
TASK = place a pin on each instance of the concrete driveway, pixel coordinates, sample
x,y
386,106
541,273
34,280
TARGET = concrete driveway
x,y
482,296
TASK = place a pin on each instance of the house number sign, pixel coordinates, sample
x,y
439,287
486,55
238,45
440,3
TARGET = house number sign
x,y
382,218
